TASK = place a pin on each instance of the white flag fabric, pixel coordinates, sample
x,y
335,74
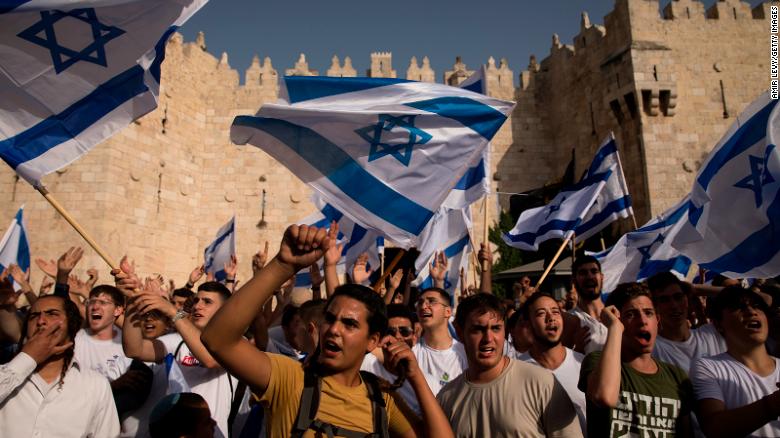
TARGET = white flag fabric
x,y
614,201
74,73
220,250
447,232
176,381
14,248
734,211
385,152
559,218
355,238
644,252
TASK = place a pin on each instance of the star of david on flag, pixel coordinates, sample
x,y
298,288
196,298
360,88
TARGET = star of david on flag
x,y
646,251
74,73
734,207
356,141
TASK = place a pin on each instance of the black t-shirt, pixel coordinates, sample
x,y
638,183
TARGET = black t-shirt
x,y
649,405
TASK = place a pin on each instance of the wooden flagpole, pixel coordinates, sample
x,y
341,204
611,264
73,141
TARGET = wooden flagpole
x,y
389,269
76,226
552,263
485,232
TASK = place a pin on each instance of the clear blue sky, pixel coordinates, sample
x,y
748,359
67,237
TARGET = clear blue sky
x,y
442,30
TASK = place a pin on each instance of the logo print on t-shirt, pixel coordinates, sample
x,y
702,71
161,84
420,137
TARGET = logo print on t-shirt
x,y
190,361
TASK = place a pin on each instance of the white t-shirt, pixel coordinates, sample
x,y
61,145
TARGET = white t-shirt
x,y
704,341
372,365
598,331
104,357
137,423
214,385
723,378
276,338
568,374
440,366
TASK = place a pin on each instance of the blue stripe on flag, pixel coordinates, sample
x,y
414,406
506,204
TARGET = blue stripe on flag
x,y
10,5
159,53
671,219
331,213
603,152
71,122
756,250
679,264
614,207
477,87
343,171
457,247
472,177
301,88
553,225
482,119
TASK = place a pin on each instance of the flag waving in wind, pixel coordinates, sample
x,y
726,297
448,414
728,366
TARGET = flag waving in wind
x,y
74,73
447,233
734,211
559,218
385,152
216,255
14,248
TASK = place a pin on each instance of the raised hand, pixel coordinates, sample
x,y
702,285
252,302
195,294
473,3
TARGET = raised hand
x,y
46,283
484,254
231,267
67,262
49,268
360,270
439,269
146,302
46,342
20,277
316,276
125,278
610,317
302,246
76,286
333,254
8,296
260,259
195,275
93,277
397,352
395,279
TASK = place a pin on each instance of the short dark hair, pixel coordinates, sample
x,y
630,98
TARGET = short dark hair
x,y
625,292
532,299
661,281
443,293
735,297
173,415
183,292
515,319
312,311
377,311
116,295
584,260
400,311
482,303
288,314
215,286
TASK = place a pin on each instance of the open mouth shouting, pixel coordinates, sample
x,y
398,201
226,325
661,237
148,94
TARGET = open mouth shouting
x,y
644,337
486,351
330,348
753,325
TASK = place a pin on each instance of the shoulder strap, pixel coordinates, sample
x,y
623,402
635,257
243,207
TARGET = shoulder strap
x,y
178,347
310,403
377,404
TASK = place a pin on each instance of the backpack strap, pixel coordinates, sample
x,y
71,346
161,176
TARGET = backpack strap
x,y
377,405
310,403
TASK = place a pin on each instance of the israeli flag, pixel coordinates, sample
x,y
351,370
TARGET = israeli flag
x,y
447,232
385,152
644,252
474,184
74,73
219,251
14,248
614,201
732,225
356,239
559,218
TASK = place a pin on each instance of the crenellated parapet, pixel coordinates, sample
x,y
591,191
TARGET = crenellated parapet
x,y
458,74
381,65
422,74
336,70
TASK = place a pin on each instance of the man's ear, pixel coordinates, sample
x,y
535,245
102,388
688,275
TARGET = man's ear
x,y
119,311
311,327
373,342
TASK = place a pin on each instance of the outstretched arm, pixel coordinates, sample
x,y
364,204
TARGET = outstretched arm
x,y
223,337
332,257
486,260
604,381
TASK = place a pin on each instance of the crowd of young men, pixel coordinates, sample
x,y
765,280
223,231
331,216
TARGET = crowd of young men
x,y
143,358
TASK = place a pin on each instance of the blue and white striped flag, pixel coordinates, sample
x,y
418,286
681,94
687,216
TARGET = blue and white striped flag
x,y
614,201
220,250
733,216
447,232
74,73
14,248
355,238
559,218
646,251
385,152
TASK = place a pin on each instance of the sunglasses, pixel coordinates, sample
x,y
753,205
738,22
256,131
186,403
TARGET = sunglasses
x,y
405,331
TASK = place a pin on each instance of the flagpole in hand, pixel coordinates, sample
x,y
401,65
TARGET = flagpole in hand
x,y
485,232
552,262
76,226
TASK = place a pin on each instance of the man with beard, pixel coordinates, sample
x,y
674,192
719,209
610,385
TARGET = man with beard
x,y
628,392
677,342
587,282
736,391
498,396
543,316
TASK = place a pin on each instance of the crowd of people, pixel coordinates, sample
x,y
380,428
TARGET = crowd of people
x,y
141,357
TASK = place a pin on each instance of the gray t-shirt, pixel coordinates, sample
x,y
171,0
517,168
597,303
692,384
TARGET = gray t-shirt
x,y
525,400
